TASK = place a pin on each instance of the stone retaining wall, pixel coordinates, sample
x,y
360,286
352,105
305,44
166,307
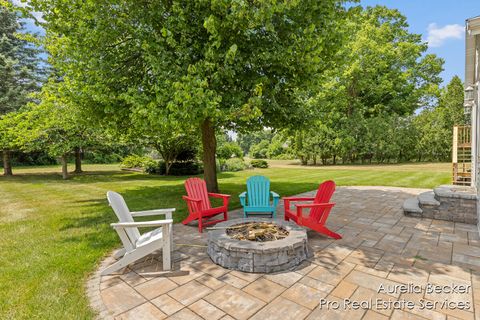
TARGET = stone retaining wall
x,y
458,204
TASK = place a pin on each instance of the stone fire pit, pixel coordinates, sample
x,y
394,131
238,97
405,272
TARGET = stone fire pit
x,y
254,256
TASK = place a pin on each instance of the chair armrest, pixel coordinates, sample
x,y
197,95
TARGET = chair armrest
x,y
243,197
186,198
276,198
301,206
218,195
225,197
298,198
315,205
143,224
145,213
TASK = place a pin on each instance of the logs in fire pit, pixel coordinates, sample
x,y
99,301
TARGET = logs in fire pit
x,y
257,231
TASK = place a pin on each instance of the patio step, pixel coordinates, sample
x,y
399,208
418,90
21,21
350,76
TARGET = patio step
x,y
428,199
411,207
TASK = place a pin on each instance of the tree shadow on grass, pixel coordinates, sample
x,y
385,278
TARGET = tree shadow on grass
x,y
94,177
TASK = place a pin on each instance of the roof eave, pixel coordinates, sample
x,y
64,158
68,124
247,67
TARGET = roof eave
x,y
473,25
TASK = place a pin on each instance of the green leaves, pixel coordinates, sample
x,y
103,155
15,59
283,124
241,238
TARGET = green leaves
x,y
196,59
21,68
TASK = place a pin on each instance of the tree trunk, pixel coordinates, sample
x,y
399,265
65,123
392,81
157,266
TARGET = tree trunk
x,y
7,163
168,165
303,160
63,160
209,143
78,160
334,159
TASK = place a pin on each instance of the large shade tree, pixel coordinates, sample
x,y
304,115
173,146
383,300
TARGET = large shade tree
x,y
435,124
384,68
212,63
21,73
384,73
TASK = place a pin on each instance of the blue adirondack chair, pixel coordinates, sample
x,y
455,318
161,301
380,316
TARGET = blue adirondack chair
x,y
257,197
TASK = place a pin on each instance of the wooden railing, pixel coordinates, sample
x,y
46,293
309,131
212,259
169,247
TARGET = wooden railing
x,y
461,155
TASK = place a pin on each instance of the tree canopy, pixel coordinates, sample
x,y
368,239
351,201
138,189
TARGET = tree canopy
x,y
22,72
231,64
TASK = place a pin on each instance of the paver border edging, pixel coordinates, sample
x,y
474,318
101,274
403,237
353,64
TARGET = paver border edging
x,y
92,287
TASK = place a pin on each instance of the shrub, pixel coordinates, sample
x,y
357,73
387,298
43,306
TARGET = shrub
x,y
101,157
259,151
234,164
259,164
186,168
151,166
134,161
32,158
284,156
218,164
229,150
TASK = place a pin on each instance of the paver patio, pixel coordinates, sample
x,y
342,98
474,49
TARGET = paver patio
x,y
380,246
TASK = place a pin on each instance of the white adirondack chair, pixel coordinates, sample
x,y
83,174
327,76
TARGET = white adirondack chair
x,y
136,245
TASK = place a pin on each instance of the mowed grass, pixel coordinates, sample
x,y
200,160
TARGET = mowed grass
x,y
53,233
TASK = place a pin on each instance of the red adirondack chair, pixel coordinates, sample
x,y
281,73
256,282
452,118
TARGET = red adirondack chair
x,y
319,209
199,207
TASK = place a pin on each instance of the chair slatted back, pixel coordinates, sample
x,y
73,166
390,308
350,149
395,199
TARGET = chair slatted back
x,y
197,188
324,194
120,208
258,191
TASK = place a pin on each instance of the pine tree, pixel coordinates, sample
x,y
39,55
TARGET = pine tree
x,y
22,70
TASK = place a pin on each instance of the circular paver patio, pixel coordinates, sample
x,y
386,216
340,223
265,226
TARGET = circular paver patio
x,y
380,246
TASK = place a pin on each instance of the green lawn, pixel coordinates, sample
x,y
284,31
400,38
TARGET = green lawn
x,y
54,232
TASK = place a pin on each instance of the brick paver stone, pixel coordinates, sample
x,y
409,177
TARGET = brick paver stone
x,y
206,310
371,282
189,293
282,308
371,315
286,279
304,295
264,289
317,284
167,304
120,298
331,276
249,277
185,274
210,282
155,287
185,314
403,315
206,266
146,311
235,302
325,313
234,281
344,290
132,278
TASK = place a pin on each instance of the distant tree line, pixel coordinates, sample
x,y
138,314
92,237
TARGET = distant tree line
x,y
384,138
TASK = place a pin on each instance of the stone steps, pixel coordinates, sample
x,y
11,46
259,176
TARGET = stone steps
x,y
411,207
451,203
428,199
